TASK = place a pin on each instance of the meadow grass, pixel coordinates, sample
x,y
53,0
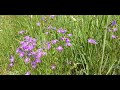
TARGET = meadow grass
x,y
82,58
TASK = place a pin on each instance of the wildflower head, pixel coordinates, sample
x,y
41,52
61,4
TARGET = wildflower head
x,y
114,23
60,48
27,60
69,35
34,64
22,32
68,44
114,36
38,24
11,59
28,73
54,41
21,54
67,40
52,16
46,33
11,64
37,61
92,41
114,29
53,66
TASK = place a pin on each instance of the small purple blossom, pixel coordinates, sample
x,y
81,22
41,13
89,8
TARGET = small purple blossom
x,y
22,42
114,36
21,54
11,59
67,40
61,31
38,24
26,37
22,32
27,60
92,41
37,61
114,29
48,45
60,48
40,50
53,66
69,35
34,64
43,18
63,38
28,73
114,23
68,44
46,33
54,41
39,54
11,64
52,16
44,53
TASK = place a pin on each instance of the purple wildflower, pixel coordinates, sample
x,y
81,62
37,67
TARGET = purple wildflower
x,y
53,66
114,36
63,38
43,18
38,24
38,55
63,31
54,41
69,35
52,16
18,50
67,40
11,59
26,37
113,23
27,60
114,29
28,73
59,48
11,64
48,45
34,64
28,44
22,32
37,61
68,44
44,53
92,41
21,54
40,50
46,33
60,30
22,42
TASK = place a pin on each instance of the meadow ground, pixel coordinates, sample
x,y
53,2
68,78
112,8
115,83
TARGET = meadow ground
x,y
59,45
